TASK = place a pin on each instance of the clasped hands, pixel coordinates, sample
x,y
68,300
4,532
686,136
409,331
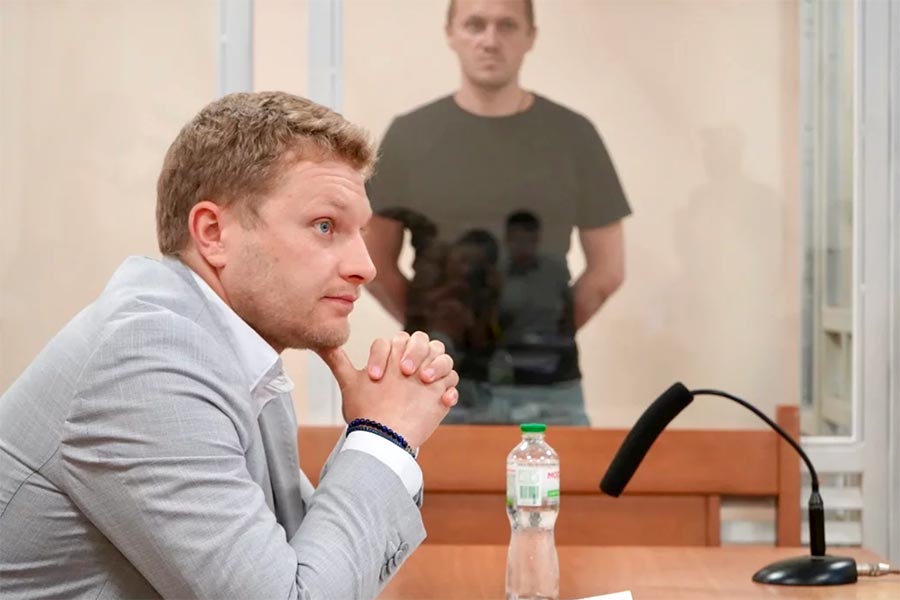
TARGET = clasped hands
x,y
408,384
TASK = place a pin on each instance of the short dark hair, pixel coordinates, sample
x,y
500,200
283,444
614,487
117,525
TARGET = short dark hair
x,y
523,219
481,238
529,11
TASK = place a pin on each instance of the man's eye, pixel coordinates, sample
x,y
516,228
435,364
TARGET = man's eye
x,y
475,25
324,226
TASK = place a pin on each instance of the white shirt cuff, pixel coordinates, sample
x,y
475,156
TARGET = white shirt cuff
x,y
392,455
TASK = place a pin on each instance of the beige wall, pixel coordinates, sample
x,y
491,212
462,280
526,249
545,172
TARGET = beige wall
x,y
280,45
697,102
93,92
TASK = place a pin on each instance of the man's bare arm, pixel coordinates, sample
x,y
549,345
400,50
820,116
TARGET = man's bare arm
x,y
604,252
384,239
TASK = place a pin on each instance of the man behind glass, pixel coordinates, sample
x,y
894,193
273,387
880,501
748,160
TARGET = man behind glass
x,y
465,163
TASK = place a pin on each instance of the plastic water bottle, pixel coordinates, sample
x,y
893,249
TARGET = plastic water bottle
x,y
532,504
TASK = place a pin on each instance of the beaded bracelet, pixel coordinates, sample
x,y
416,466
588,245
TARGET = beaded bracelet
x,y
381,430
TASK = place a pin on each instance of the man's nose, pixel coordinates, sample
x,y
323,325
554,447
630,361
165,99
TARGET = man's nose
x,y
357,265
489,36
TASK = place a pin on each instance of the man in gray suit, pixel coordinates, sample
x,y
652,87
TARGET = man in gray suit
x,y
150,449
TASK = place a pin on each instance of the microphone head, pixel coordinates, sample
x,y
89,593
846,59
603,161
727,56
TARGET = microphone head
x,y
641,437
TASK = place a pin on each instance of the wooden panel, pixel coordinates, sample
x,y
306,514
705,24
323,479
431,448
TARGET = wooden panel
x,y
633,520
787,515
671,466
473,458
713,521
314,445
674,498
583,520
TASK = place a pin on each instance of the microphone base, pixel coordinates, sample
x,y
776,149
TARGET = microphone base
x,y
809,570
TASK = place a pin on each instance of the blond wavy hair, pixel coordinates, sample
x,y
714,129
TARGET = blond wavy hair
x,y
236,149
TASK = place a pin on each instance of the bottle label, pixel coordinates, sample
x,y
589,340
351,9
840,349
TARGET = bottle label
x,y
532,486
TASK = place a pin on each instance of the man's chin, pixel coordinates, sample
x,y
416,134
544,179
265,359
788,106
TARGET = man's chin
x,y
492,82
323,339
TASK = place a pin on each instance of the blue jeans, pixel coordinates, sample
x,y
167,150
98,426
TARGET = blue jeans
x,y
485,403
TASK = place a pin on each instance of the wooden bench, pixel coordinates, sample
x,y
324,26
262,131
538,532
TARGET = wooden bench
x,y
674,498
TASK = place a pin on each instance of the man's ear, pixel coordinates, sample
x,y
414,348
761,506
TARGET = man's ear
x,y
206,224
534,32
448,36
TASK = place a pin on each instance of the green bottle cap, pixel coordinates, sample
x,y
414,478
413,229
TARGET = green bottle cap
x,y
533,428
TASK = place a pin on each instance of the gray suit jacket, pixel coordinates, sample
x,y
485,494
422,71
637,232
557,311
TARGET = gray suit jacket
x,y
133,464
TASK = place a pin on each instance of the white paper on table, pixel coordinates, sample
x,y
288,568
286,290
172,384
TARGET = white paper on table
x,y
626,595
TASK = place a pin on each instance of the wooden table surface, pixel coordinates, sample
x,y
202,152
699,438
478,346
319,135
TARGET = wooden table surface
x,y
471,572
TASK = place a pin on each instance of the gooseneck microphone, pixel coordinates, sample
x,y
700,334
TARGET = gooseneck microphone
x,y
816,569
642,436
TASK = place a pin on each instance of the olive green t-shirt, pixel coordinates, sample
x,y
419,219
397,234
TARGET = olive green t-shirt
x,y
462,170
445,172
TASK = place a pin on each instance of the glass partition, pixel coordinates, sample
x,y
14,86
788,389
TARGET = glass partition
x,y
698,105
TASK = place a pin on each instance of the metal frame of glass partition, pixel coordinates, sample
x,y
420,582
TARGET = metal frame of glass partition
x,y
235,46
876,260
892,398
